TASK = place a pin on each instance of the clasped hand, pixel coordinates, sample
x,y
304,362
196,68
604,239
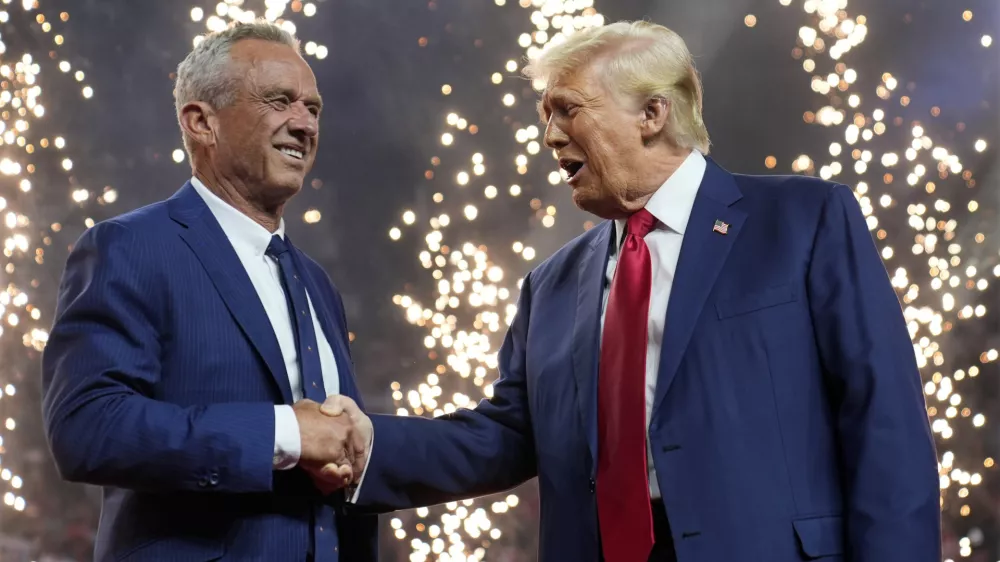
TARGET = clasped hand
x,y
336,437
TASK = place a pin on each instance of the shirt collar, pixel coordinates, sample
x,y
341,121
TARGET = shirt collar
x,y
246,235
671,204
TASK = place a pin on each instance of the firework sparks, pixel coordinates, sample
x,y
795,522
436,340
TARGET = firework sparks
x,y
462,318
475,295
896,166
26,153
228,12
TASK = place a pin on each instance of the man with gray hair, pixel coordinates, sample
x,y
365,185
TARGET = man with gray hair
x,y
193,343
718,372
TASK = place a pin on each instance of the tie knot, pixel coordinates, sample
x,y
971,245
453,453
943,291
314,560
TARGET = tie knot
x,y
277,247
641,223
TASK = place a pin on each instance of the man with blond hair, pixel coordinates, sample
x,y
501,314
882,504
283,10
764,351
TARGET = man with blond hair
x,y
719,372
193,342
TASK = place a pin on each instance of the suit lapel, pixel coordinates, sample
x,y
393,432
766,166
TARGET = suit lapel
x,y
587,330
209,243
335,333
703,253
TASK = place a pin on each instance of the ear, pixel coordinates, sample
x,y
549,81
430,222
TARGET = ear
x,y
197,119
654,117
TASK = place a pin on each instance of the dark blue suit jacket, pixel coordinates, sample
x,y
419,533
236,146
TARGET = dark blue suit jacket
x,y
788,422
160,378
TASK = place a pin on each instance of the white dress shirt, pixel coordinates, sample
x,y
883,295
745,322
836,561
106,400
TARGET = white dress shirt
x,y
250,240
671,205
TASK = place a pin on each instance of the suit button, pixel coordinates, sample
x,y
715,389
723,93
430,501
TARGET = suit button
x,y
214,479
203,482
593,485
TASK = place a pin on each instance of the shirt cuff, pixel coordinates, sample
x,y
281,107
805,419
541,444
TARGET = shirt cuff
x,y
354,492
287,441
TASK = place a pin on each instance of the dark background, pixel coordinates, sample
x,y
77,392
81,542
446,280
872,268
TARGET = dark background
x,y
384,115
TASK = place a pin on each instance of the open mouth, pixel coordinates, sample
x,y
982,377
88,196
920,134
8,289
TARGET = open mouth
x,y
571,167
292,152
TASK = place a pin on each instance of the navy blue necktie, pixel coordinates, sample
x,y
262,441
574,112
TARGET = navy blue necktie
x,y
305,333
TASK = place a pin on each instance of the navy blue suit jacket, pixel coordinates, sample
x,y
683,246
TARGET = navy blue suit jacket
x,y
160,378
789,422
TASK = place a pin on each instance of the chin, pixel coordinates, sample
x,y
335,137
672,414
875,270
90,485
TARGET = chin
x,y
281,189
289,182
593,202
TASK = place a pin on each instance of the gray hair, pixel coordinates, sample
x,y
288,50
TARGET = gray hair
x,y
205,74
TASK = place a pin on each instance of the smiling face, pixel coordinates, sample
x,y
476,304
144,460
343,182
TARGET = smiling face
x,y
598,137
266,140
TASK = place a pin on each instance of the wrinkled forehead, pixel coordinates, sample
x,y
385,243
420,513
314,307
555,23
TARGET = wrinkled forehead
x,y
569,78
576,84
266,64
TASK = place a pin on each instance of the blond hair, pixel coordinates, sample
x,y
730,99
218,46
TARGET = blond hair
x,y
642,60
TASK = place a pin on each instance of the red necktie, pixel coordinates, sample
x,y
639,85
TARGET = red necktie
x,y
623,509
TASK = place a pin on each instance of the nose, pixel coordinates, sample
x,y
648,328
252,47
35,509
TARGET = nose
x,y
555,138
303,122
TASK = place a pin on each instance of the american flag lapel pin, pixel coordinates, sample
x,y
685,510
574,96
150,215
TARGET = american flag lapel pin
x,y
721,228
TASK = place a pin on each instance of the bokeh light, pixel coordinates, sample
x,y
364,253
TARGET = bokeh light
x,y
465,319
918,197
894,164
29,153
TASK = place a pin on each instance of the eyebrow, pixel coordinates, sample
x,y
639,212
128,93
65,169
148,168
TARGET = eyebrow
x,y
316,100
557,97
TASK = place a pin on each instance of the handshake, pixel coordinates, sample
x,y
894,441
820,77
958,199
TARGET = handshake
x,y
336,439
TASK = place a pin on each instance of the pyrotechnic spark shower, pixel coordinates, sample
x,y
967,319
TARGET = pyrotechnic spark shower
x,y
28,152
896,165
474,303
462,320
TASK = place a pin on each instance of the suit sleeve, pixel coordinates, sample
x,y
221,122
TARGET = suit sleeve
x,y
100,368
888,458
469,453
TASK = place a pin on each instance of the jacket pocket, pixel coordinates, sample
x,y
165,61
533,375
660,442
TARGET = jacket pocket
x,y
169,549
744,304
820,537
